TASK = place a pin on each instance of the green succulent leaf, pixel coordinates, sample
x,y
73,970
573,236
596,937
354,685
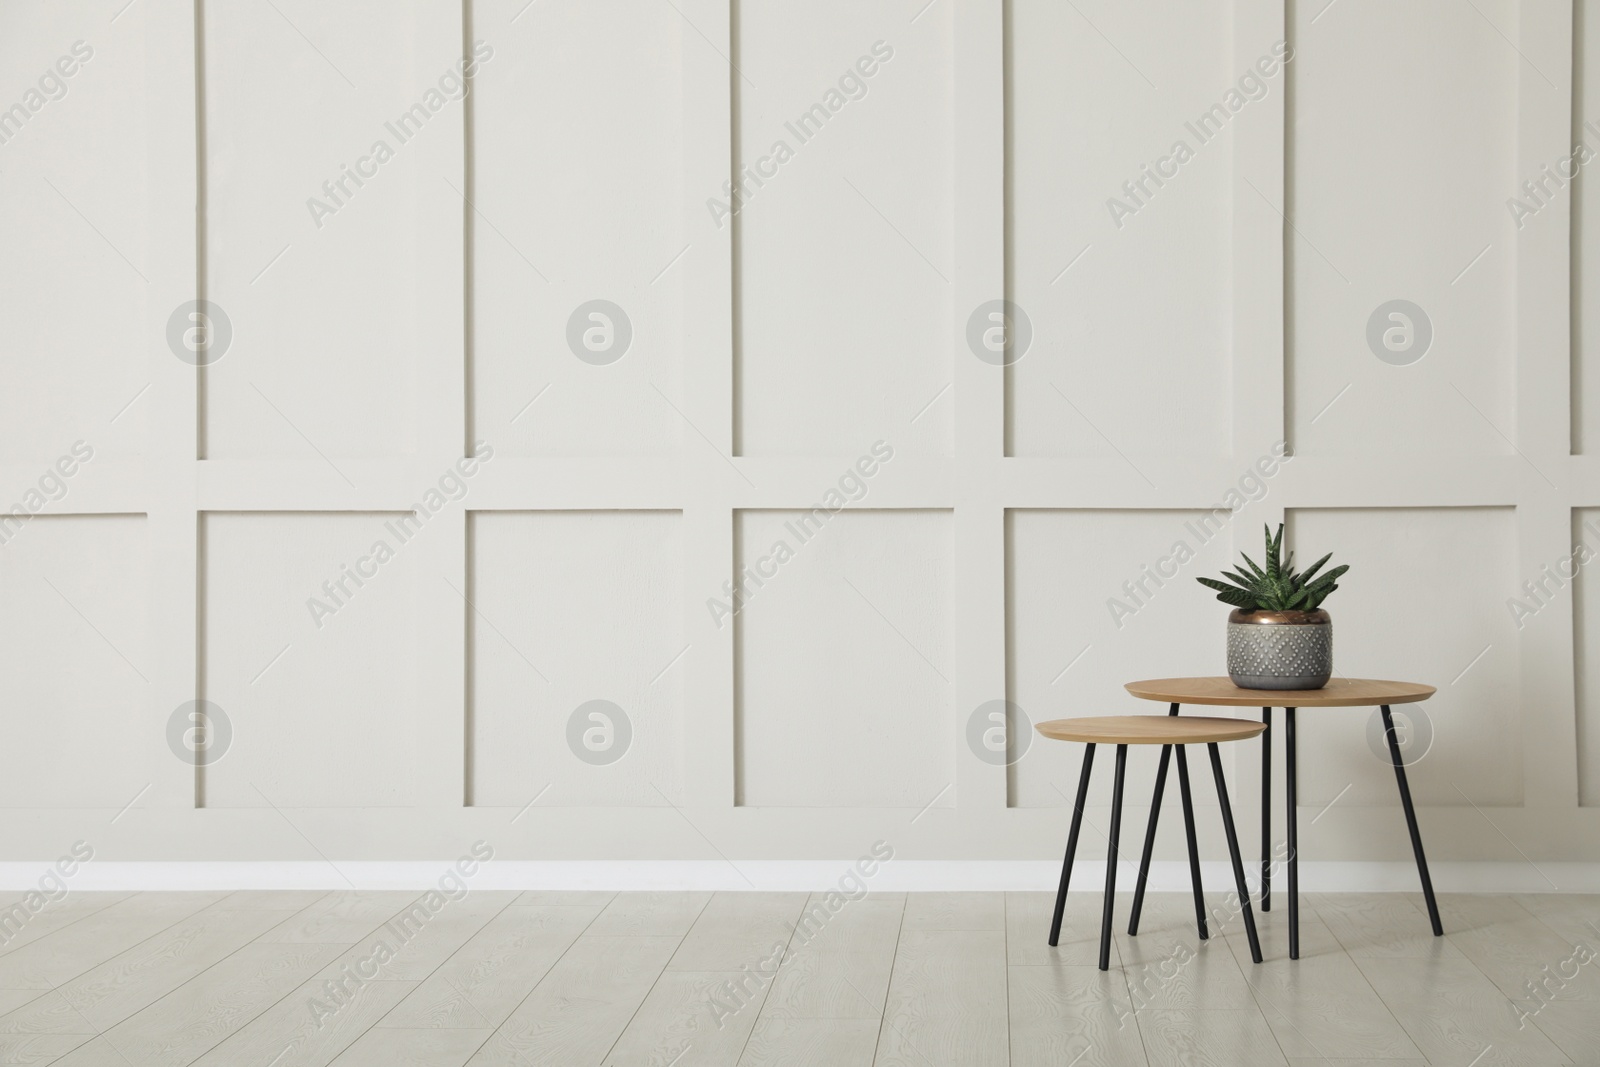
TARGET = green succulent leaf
x,y
1310,572
1229,594
1223,586
1326,581
1238,598
1260,574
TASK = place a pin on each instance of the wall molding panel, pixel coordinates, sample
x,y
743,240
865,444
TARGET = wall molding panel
x,y
775,353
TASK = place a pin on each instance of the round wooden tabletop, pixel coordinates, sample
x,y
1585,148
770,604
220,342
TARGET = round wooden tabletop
x,y
1150,729
1338,693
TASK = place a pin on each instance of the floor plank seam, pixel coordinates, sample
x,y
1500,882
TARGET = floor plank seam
x,y
657,980
766,993
888,989
296,988
376,1022
205,970
369,933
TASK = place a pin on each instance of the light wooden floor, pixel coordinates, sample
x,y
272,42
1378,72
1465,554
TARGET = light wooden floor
x,y
921,980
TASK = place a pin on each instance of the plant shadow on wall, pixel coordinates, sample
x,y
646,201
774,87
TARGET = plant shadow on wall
x,y
1278,635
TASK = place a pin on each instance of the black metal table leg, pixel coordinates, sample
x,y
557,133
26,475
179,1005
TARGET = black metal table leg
x,y
1290,766
1149,841
1194,851
1266,811
1233,854
1111,859
1072,842
1411,821
1150,836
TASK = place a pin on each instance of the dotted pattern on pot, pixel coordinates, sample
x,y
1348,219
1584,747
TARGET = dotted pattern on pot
x,y
1262,650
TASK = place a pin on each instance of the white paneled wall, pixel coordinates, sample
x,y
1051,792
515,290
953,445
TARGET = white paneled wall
x,y
75,688
1394,175
74,271
311,275
319,686
843,241
583,336
844,660
576,177
609,627
1586,642
1585,238
1130,317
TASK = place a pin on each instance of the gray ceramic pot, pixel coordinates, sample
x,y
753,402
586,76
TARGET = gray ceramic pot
x,y
1280,649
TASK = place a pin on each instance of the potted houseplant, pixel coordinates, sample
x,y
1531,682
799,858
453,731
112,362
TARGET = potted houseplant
x,y
1278,635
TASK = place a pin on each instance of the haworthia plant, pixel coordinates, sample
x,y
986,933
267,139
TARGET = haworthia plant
x,y
1278,586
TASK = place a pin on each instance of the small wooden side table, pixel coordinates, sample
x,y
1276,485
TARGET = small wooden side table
x,y
1339,693
1167,731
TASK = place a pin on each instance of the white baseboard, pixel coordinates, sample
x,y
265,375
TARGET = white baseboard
x,y
893,876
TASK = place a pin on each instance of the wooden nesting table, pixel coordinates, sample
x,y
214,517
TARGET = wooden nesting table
x,y
1339,693
1168,731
